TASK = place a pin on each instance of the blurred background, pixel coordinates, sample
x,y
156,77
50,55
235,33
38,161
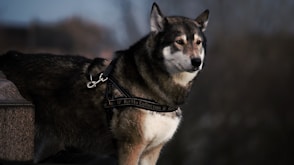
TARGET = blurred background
x,y
240,111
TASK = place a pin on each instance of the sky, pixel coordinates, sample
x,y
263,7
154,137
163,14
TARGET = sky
x,y
103,12
15,11
263,16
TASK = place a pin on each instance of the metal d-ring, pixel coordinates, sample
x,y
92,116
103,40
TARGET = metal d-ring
x,y
92,84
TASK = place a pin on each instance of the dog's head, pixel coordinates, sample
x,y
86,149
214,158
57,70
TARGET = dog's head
x,y
180,41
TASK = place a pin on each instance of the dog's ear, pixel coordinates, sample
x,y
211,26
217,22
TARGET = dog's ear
x,y
202,20
156,19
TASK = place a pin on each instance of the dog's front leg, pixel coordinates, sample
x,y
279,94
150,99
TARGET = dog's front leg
x,y
128,132
129,154
150,156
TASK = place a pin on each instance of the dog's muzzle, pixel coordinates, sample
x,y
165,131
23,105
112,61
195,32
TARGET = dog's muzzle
x,y
196,63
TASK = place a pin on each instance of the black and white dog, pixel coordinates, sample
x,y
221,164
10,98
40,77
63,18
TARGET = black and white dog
x,y
129,108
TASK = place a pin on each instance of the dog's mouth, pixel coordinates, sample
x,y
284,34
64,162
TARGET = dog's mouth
x,y
194,69
189,69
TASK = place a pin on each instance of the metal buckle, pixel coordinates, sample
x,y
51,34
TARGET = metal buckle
x,y
92,84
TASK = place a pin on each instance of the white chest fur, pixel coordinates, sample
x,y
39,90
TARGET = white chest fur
x,y
158,128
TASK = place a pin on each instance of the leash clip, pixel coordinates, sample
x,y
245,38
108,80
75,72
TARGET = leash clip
x,y
92,84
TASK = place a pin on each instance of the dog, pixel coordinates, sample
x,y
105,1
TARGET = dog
x,y
129,108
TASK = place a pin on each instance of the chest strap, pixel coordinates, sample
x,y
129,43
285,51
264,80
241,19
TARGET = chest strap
x,y
129,100
126,100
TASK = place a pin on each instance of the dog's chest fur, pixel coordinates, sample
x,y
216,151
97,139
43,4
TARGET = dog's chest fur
x,y
159,128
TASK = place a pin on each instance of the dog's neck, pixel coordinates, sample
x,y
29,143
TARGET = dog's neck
x,y
143,74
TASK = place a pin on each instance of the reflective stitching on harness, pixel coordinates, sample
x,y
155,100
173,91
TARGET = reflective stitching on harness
x,y
140,103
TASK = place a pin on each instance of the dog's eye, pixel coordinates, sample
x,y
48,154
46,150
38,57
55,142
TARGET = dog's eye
x,y
180,42
198,42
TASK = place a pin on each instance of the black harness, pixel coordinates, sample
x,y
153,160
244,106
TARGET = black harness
x,y
127,100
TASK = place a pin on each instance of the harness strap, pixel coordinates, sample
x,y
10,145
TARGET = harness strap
x,y
127,100
139,103
113,82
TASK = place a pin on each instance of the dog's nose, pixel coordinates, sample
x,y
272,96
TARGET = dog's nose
x,y
196,62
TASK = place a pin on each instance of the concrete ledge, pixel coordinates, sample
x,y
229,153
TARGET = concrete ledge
x,y
16,124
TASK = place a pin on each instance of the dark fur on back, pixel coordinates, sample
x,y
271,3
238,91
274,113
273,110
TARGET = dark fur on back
x,y
66,112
